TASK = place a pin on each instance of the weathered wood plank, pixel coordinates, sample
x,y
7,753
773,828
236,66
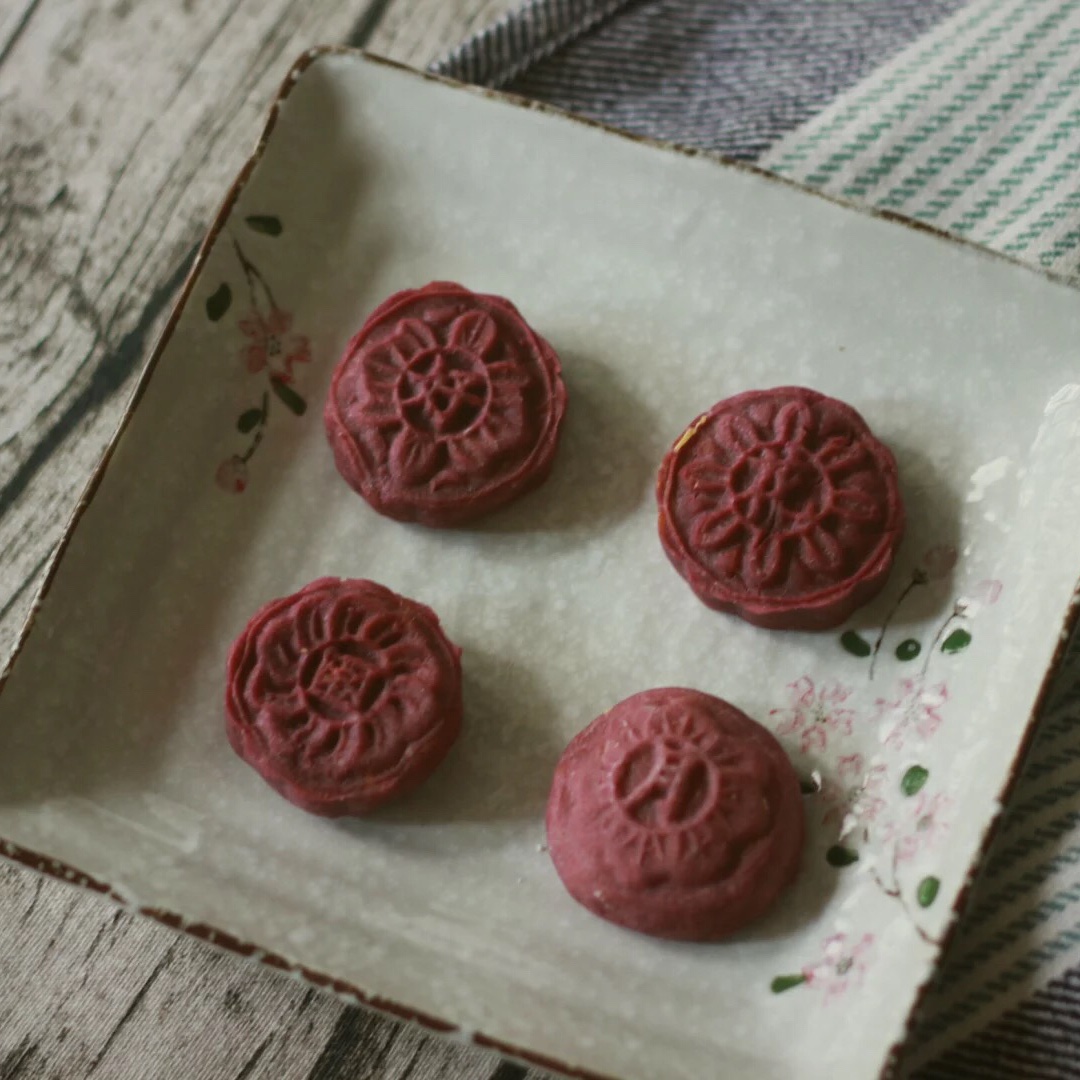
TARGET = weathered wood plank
x,y
120,128
13,20
90,990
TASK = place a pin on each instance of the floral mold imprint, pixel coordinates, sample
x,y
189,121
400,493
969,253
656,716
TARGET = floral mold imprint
x,y
676,815
343,695
781,507
445,406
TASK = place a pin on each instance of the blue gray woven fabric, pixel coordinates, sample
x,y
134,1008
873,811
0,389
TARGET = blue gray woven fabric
x,y
962,114
728,76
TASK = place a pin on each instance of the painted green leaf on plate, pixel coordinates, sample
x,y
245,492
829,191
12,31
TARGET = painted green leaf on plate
x,y
786,982
914,780
840,856
249,420
218,303
927,891
908,650
289,397
855,644
957,640
264,223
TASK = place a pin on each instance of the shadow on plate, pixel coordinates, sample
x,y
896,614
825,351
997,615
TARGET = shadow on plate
x,y
920,589
802,904
500,769
603,468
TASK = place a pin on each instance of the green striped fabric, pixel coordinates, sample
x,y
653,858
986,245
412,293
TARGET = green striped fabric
x,y
975,128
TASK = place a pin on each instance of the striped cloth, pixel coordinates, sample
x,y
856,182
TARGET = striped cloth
x,y
975,128
962,115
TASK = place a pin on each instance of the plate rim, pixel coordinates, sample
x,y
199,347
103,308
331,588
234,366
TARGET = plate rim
x,y
71,876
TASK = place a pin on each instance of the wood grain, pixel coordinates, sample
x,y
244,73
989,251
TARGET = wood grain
x,y
121,127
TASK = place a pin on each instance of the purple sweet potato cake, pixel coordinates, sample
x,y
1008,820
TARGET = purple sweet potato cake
x,y
780,506
676,815
445,406
343,696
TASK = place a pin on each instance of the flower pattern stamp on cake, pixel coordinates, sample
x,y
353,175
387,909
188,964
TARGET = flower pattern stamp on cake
x,y
781,507
445,406
676,815
343,695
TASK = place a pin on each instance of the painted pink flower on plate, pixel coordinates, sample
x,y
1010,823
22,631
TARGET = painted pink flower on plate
x,y
231,475
853,795
817,713
915,713
270,344
842,966
985,593
924,828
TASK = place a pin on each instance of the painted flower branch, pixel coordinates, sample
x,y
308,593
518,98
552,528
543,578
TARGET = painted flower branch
x,y
882,812
937,563
928,818
843,963
271,350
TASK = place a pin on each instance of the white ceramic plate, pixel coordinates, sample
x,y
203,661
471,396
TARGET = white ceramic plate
x,y
666,281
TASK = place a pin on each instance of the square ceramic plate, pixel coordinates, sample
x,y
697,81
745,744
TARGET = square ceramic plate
x,y
666,281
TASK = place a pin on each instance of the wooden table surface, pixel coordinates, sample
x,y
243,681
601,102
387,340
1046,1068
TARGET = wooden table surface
x,y
122,123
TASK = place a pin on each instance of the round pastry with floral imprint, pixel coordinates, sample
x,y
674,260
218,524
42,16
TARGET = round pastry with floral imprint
x,y
676,815
343,695
445,406
781,507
